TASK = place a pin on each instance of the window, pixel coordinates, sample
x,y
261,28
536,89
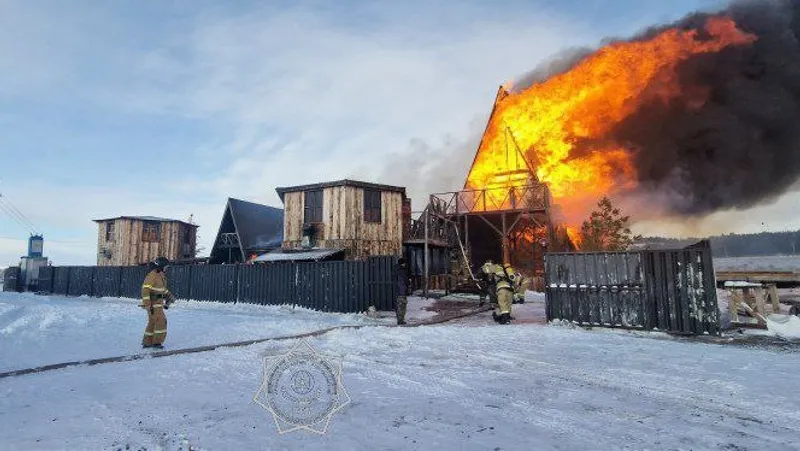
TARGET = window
x,y
151,232
187,235
372,205
110,231
312,211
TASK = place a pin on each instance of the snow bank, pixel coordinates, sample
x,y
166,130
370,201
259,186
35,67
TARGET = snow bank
x,y
784,326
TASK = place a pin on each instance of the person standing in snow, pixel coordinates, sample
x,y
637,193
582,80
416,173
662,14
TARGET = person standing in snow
x,y
504,277
155,298
402,291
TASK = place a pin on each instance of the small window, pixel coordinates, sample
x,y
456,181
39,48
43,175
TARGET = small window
x,y
151,232
372,206
187,235
110,231
312,211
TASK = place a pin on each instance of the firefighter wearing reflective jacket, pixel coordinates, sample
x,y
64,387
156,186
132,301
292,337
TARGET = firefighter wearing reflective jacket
x,y
505,282
155,298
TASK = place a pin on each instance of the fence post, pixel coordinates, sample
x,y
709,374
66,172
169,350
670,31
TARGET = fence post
x,y
69,280
119,282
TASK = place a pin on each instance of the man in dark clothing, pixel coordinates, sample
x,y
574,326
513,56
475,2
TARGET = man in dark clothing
x,y
402,291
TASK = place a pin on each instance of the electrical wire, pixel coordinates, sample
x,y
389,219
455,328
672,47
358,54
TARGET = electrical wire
x,y
10,209
14,217
19,213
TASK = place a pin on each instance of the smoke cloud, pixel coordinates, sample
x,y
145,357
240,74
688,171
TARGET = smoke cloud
x,y
741,147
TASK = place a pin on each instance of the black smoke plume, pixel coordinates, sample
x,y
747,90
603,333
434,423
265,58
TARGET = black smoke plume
x,y
741,147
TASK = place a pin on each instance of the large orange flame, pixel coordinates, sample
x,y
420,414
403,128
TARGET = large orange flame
x,y
561,125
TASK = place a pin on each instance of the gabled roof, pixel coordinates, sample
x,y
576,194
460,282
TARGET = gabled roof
x,y
145,218
345,182
258,228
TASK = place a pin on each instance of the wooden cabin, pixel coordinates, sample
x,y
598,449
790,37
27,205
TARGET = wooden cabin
x,y
136,240
362,219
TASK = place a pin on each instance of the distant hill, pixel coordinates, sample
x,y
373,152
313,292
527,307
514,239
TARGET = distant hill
x,y
733,245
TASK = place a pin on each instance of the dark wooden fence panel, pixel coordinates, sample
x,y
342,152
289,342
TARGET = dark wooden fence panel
x,y
11,278
382,280
338,286
179,281
61,280
214,283
81,281
131,281
267,284
107,281
46,275
669,290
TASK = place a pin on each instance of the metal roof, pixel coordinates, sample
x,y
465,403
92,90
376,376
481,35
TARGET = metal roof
x,y
345,182
259,226
146,218
302,255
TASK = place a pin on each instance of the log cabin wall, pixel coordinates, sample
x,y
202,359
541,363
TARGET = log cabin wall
x,y
343,223
127,246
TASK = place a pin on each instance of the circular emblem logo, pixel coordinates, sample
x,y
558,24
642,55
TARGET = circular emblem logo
x,y
302,389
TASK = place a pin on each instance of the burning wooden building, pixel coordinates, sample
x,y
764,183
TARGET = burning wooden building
x,y
503,212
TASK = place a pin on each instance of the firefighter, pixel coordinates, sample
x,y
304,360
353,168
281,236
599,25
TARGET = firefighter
x,y
402,291
155,298
488,271
504,277
521,285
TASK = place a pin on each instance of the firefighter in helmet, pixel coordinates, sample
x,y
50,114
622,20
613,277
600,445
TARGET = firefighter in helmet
x,y
155,298
505,282
488,271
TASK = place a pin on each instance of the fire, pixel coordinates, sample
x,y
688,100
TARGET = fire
x,y
575,236
561,126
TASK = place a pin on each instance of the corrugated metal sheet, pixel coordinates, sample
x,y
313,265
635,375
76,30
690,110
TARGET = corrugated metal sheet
x,y
336,286
670,290
107,281
131,281
61,280
11,278
46,275
179,280
267,284
382,280
81,282
214,283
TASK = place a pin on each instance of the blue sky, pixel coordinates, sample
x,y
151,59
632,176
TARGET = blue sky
x,y
168,107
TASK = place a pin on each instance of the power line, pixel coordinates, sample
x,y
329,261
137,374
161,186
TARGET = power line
x,y
14,217
11,209
18,212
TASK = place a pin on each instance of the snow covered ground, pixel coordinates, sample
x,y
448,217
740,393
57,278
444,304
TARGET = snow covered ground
x,y
469,384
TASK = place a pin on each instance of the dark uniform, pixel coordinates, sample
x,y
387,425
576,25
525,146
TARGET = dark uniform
x,y
402,291
155,298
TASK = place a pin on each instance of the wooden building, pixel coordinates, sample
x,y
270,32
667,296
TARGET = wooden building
x,y
136,240
361,219
247,230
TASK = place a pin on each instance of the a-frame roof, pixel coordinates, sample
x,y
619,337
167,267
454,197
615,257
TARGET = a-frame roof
x,y
258,228
519,155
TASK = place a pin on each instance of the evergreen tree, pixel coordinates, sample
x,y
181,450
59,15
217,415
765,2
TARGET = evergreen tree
x,y
606,229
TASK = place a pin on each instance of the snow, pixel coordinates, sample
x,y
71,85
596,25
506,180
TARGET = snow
x,y
468,384
765,263
784,326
